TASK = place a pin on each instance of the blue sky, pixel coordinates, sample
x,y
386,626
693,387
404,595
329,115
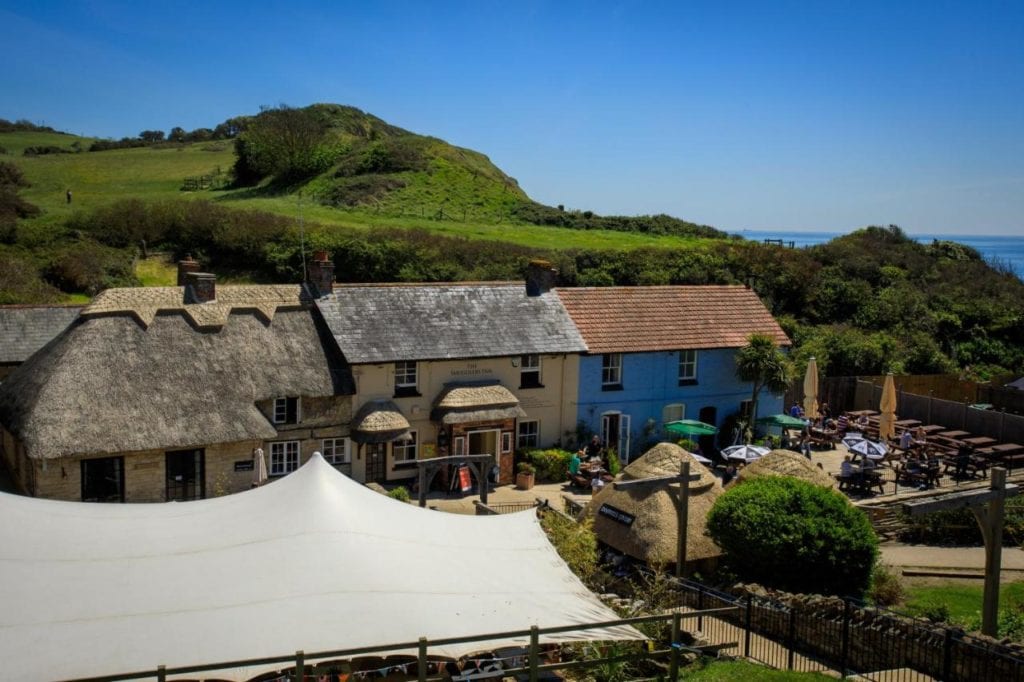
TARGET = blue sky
x,y
774,115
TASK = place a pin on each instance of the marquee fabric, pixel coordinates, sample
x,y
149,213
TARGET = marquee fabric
x,y
311,562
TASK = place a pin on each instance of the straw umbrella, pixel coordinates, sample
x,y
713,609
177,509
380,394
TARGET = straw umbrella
x,y
811,390
786,463
642,522
887,420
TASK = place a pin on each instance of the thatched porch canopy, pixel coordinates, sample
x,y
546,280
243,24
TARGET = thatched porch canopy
x,y
378,421
652,534
786,463
461,403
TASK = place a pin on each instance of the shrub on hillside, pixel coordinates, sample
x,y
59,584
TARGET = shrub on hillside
x,y
90,267
20,281
792,535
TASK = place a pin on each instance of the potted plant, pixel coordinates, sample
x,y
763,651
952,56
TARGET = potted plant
x,y
525,475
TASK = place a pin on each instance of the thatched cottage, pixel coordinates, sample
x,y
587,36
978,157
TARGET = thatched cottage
x,y
163,393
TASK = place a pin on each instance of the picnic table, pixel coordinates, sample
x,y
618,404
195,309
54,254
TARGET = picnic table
x,y
862,413
954,434
932,429
979,441
907,423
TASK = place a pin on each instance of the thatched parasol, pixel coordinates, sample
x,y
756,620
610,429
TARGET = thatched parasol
x,y
651,536
786,463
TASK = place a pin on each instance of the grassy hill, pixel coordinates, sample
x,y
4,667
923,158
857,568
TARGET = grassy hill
x,y
391,205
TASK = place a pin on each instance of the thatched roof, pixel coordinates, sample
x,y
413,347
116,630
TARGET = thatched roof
x,y
107,384
144,303
460,402
786,463
378,421
652,536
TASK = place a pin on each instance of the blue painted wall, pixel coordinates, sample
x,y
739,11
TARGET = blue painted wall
x,y
650,381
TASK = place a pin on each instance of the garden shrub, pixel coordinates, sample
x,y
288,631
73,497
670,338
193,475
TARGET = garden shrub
x,y
574,542
551,465
400,493
886,587
796,536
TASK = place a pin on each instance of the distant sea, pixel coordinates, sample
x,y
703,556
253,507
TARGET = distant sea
x,y
1006,249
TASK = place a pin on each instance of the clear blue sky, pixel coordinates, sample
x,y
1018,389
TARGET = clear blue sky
x,y
772,115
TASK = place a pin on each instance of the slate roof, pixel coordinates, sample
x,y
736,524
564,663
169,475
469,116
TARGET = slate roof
x,y
658,318
387,323
24,329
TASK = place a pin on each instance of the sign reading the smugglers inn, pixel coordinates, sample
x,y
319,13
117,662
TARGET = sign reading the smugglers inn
x,y
616,515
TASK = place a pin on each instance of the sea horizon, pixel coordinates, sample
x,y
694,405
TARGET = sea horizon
x,y
1007,249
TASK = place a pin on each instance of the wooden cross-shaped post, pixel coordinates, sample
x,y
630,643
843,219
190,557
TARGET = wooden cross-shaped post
x,y
682,504
990,520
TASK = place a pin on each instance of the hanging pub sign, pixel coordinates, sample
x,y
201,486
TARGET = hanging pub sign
x,y
616,514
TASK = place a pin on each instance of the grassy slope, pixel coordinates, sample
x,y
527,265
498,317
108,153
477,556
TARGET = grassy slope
x,y
962,600
97,178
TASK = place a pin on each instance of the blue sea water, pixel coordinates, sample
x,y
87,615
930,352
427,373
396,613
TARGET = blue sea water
x,y
1006,249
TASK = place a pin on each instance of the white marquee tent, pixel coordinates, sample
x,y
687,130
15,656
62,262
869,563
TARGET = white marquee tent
x,y
312,562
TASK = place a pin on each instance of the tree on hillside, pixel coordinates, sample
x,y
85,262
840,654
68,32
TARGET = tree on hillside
x,y
152,136
763,364
286,143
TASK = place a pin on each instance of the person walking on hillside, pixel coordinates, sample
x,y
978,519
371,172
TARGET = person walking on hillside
x,y
69,195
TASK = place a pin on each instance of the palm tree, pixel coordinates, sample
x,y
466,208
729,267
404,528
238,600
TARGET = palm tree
x,y
766,366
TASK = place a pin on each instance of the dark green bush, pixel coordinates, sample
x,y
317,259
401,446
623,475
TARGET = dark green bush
x,y
89,267
796,536
551,465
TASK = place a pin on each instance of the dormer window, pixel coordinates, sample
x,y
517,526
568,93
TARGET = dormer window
x,y
405,379
286,410
529,371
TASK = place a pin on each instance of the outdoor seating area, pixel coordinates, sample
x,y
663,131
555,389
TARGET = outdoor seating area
x,y
918,456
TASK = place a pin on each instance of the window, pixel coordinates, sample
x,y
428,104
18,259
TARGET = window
x,y
284,457
673,413
687,367
529,434
611,371
103,479
335,451
405,450
529,372
405,378
286,410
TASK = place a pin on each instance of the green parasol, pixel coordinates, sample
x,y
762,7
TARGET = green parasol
x,y
783,420
690,427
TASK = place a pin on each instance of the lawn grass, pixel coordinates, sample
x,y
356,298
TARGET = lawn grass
x,y
156,271
961,601
744,671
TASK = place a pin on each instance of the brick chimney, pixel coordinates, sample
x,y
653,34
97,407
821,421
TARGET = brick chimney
x,y
186,266
541,275
200,287
321,274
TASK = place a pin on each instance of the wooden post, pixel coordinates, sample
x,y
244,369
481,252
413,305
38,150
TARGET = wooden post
x,y
300,666
683,516
161,673
673,666
423,486
534,653
991,522
422,658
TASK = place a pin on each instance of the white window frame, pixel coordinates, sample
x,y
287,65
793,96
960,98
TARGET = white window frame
x,y
687,365
530,364
403,372
281,410
405,450
337,450
611,369
520,436
673,412
284,457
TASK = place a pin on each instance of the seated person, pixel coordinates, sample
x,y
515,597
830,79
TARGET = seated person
x,y
574,463
596,483
842,424
906,439
962,460
826,411
796,410
728,474
594,449
846,468
862,422
920,436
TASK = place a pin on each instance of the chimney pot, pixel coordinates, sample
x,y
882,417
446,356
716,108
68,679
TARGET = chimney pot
x,y
321,274
185,266
541,275
201,287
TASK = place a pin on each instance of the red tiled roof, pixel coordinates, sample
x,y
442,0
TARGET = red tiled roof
x,y
655,318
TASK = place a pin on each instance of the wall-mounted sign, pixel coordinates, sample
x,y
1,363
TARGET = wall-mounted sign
x,y
616,515
244,465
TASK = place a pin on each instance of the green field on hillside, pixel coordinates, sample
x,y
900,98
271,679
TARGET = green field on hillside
x,y
153,173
